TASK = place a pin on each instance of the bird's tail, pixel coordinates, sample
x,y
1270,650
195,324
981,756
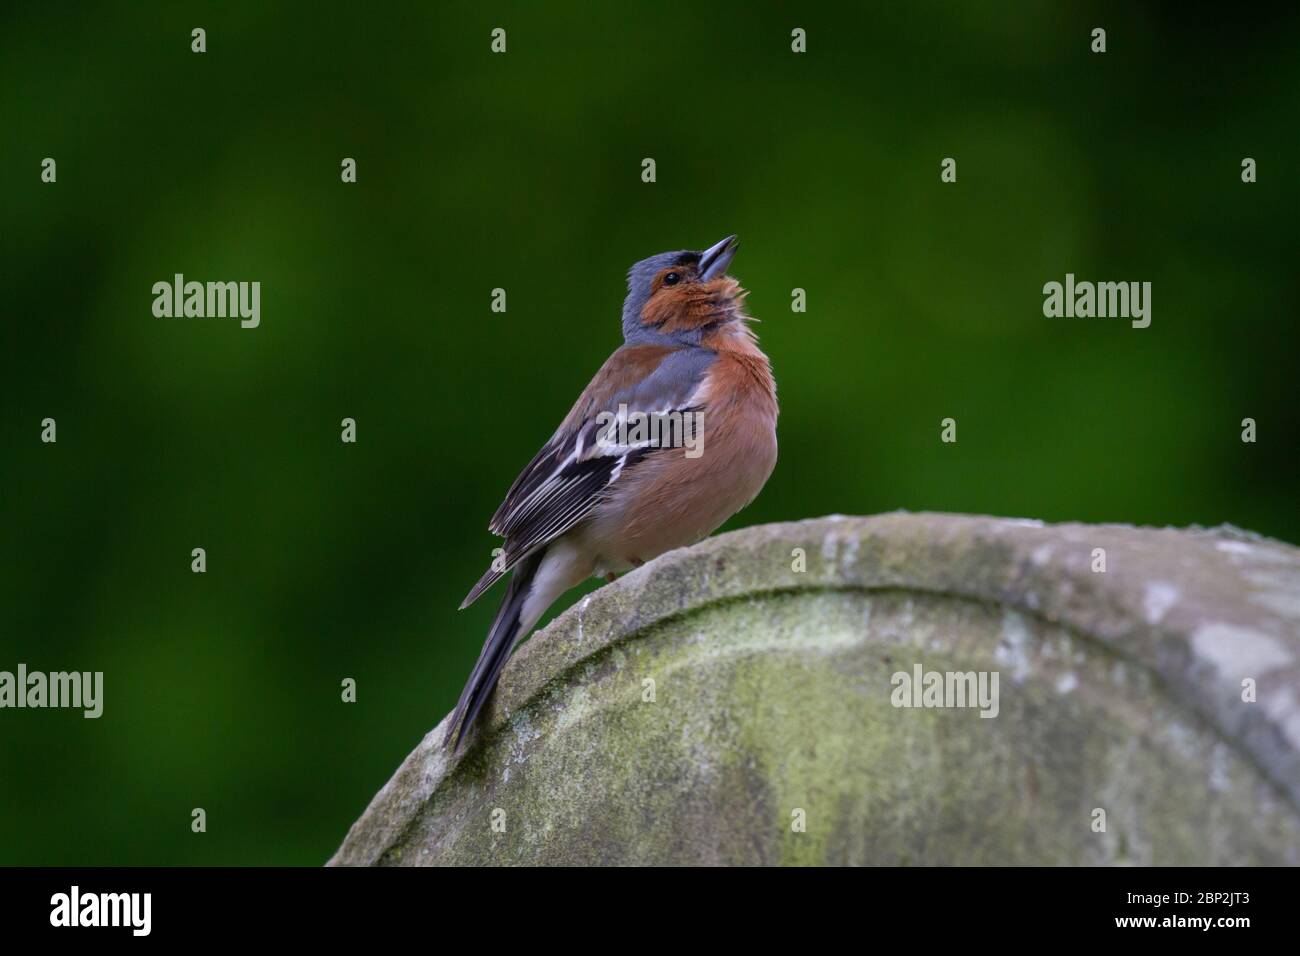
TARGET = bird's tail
x,y
500,642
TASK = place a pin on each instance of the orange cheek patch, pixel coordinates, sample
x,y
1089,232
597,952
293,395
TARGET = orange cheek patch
x,y
691,306
665,304
699,310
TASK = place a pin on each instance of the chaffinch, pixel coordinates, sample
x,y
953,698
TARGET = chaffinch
x,y
674,435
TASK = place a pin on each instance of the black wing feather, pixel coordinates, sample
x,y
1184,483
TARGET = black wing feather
x,y
566,479
578,485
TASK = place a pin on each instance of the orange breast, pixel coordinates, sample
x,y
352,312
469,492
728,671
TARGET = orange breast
x,y
669,500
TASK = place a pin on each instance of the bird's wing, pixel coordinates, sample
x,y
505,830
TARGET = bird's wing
x,y
565,480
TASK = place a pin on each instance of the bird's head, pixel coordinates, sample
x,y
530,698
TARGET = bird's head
x,y
681,295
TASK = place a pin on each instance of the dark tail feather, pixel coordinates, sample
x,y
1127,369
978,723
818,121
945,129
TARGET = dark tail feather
x,y
490,577
496,649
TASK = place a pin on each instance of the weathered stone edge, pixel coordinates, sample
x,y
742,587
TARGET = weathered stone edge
x,y
1165,590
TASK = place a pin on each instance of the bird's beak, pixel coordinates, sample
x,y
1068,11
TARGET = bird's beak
x,y
715,259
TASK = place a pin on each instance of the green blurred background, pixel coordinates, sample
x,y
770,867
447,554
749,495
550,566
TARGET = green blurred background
x,y
522,171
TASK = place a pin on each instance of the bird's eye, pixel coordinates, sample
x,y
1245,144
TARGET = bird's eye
x,y
672,278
